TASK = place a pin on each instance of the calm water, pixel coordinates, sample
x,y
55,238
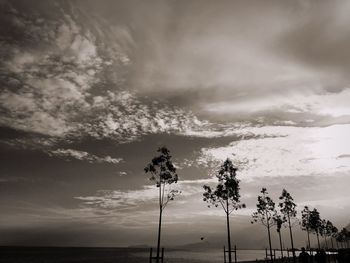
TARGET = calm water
x,y
213,255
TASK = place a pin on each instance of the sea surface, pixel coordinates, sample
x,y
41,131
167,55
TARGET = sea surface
x,y
212,255
116,255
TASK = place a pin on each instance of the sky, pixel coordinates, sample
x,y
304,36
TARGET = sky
x,y
90,89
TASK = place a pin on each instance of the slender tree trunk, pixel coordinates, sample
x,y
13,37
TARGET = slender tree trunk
x,y
279,234
291,239
318,241
325,242
268,232
308,238
160,221
159,230
228,233
332,243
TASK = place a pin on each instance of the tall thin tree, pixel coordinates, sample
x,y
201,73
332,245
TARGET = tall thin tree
x,y
265,210
340,239
315,224
226,194
326,230
279,221
163,173
288,209
331,231
347,236
305,223
344,236
334,235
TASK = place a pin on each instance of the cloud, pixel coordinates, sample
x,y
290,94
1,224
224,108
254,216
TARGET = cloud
x,y
82,80
138,208
89,79
292,151
12,179
344,156
83,156
333,104
319,41
72,84
51,79
245,61
139,199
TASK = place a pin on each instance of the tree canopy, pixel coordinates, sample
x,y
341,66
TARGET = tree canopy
x,y
226,192
265,209
163,172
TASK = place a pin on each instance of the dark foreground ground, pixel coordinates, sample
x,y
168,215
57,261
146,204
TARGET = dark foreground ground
x,y
95,255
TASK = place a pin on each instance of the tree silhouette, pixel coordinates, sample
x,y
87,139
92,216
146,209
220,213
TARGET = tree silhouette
x,y
265,211
326,230
279,221
289,212
330,231
315,224
323,231
305,222
226,194
347,236
339,239
163,173
334,234
343,237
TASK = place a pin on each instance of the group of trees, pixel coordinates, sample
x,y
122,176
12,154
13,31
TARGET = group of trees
x,y
268,215
312,222
343,238
226,195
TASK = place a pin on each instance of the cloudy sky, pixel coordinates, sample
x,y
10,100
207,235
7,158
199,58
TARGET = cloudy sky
x,y
90,89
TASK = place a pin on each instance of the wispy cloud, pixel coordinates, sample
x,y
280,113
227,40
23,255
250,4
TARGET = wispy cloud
x,y
69,154
323,103
144,198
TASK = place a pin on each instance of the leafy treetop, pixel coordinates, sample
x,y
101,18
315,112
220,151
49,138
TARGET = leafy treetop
x,y
163,172
161,168
279,221
226,192
305,218
287,205
315,221
265,210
